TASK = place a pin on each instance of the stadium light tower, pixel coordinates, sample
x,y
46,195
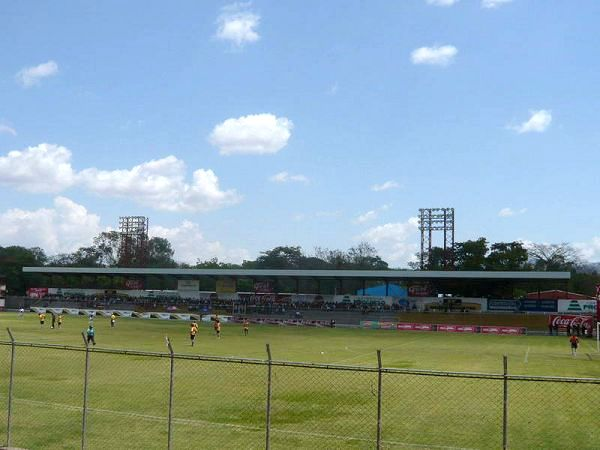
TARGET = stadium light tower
x,y
133,248
436,219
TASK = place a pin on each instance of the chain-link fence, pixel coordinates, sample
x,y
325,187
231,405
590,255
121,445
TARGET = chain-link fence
x,y
65,397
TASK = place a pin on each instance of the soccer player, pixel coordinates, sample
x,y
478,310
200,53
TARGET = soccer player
x,y
193,332
218,327
91,333
21,312
60,320
574,340
53,320
42,317
246,326
113,319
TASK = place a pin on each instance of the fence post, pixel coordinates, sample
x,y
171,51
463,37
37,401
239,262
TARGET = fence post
x,y
505,406
10,386
85,393
269,385
171,380
379,386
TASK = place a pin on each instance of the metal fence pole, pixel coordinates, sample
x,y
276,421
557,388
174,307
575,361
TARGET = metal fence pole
x,y
10,386
85,393
171,380
379,385
269,386
505,407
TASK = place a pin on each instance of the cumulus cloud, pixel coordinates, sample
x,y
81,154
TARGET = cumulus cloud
x,y
366,217
61,229
237,24
160,184
31,76
589,251
255,134
442,2
385,186
394,241
508,212
436,55
43,168
492,4
6,129
190,244
538,122
285,177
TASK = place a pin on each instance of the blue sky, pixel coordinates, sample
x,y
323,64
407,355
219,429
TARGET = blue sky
x,y
237,127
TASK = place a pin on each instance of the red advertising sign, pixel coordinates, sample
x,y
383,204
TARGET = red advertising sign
x,y
134,283
37,292
502,330
457,328
414,326
562,320
386,325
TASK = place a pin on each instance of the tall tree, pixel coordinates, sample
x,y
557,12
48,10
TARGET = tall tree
x,y
507,256
554,256
471,255
107,244
160,253
12,261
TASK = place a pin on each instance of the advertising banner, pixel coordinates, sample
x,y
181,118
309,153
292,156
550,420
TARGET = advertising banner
x,y
181,316
386,325
56,310
37,292
577,306
502,305
226,286
188,285
105,313
134,283
74,311
263,287
534,305
457,328
419,291
124,313
2,304
162,316
374,324
87,312
561,321
142,315
414,326
502,330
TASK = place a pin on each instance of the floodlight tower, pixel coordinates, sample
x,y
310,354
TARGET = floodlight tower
x,y
436,219
133,248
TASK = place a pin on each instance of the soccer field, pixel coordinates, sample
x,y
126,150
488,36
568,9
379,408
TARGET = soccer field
x,y
222,404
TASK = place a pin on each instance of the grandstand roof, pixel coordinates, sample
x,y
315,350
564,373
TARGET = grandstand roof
x,y
314,274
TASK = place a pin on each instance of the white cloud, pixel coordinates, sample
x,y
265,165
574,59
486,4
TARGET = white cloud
x,y
589,251
394,241
366,217
31,76
6,129
436,55
255,134
508,212
160,184
385,186
492,4
285,177
538,122
189,244
61,229
333,89
442,2
237,24
44,168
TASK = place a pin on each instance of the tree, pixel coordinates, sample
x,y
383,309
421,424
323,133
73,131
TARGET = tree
x,y
107,244
280,258
550,257
507,256
471,255
160,253
12,261
364,257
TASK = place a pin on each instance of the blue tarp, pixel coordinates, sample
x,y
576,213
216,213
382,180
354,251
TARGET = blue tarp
x,y
394,290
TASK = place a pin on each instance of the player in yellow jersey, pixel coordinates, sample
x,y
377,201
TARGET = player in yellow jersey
x,y
246,326
42,317
218,328
193,332
113,320
60,320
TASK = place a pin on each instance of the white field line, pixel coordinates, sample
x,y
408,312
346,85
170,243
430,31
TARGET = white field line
x,y
373,353
196,422
527,354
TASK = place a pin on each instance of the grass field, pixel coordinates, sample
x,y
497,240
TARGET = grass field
x,y
218,404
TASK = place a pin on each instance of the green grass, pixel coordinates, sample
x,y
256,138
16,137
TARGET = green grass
x,y
223,404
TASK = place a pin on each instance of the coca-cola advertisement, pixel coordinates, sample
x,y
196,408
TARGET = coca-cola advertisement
x,y
37,292
561,321
502,330
414,326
